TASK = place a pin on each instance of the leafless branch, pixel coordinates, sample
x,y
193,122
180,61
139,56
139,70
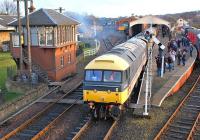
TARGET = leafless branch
x,y
8,7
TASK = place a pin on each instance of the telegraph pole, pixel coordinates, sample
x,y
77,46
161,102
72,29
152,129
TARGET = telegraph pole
x,y
20,43
28,36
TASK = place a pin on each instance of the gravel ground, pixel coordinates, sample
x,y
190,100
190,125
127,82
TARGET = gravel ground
x,y
22,117
135,127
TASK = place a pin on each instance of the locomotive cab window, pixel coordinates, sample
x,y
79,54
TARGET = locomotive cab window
x,y
93,75
112,76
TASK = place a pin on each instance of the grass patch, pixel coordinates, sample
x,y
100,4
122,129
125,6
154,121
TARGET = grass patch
x,y
8,68
10,96
6,62
3,77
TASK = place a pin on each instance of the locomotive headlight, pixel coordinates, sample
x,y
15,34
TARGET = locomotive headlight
x,y
116,89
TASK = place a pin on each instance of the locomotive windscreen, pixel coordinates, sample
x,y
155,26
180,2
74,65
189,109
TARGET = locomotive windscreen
x,y
103,76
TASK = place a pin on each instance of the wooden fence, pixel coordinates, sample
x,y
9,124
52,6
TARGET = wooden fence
x,y
92,51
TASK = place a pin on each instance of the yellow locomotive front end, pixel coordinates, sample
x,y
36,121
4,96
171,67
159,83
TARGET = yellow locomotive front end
x,y
107,97
106,82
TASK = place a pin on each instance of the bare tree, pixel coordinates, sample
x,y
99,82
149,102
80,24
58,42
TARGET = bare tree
x,y
8,7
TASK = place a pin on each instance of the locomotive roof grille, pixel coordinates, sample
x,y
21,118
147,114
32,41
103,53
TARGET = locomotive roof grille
x,y
119,49
129,53
130,58
132,53
116,52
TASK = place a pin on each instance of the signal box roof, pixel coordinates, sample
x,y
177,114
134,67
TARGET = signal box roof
x,y
46,17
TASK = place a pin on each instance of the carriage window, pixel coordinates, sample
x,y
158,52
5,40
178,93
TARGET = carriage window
x,y
93,75
112,76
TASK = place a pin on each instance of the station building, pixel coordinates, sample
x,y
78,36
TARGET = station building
x,y
4,29
53,44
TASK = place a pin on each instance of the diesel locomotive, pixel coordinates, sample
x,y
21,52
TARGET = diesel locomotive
x,y
110,78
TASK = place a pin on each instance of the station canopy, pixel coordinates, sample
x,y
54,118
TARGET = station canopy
x,y
150,20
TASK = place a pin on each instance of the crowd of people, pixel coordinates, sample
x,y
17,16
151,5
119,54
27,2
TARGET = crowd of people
x,y
176,53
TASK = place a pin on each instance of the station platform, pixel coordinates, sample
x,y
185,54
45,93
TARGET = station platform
x,y
170,83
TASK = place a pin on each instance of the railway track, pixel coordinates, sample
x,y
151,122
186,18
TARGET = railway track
x,y
95,130
91,129
107,44
37,126
184,123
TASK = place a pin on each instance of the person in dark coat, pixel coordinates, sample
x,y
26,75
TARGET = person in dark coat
x,y
179,42
179,56
191,49
184,57
170,61
159,65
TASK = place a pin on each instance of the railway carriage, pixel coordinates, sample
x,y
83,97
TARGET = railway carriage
x,y
109,79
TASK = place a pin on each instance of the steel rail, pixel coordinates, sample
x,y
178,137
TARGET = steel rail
x,y
176,111
88,124
35,117
46,129
109,133
190,136
82,130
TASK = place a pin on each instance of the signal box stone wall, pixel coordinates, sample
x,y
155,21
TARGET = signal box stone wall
x,y
69,67
15,52
49,59
44,57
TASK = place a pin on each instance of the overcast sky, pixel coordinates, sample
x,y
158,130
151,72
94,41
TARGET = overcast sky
x,y
116,8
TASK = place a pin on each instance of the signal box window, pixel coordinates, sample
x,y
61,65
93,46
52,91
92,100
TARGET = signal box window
x,y
49,36
93,75
112,76
42,40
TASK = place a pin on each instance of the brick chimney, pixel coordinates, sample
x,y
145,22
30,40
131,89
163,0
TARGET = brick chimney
x,y
31,8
